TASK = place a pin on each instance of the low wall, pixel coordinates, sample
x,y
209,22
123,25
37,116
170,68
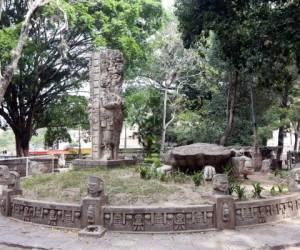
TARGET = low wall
x,y
267,210
47,213
219,215
158,219
19,165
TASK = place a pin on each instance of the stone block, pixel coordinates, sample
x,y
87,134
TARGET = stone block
x,y
225,212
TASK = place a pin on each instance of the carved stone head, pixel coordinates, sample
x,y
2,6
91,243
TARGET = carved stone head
x,y
220,184
95,186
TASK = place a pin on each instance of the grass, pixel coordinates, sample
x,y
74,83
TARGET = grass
x,y
123,186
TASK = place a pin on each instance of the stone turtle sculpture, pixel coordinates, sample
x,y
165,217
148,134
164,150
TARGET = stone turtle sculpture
x,y
195,157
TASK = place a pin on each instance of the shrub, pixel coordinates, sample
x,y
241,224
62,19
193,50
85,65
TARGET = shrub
x,y
280,188
240,191
257,189
163,177
157,163
197,178
179,177
145,173
273,191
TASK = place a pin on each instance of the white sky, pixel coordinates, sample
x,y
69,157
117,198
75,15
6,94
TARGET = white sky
x,y
167,3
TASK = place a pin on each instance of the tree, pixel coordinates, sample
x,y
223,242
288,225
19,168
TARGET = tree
x,y
258,40
169,67
15,54
69,112
143,108
52,65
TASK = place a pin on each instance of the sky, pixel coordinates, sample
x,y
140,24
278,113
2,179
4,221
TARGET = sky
x,y
167,3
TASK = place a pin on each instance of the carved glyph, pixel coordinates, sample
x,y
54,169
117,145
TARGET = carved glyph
x,y
106,107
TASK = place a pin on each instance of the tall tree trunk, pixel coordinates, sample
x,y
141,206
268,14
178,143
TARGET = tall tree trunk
x,y
163,136
233,82
283,104
22,144
297,136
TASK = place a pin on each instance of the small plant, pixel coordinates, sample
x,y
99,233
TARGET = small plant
x,y
163,177
179,177
157,163
197,178
273,191
145,173
240,191
257,189
280,188
281,173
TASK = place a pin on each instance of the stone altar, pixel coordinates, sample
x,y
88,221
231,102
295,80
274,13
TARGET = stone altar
x,y
105,109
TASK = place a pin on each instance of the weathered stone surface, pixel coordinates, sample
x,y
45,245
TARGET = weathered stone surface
x,y
195,156
208,173
11,179
266,166
294,180
95,186
225,212
164,169
106,107
242,165
220,184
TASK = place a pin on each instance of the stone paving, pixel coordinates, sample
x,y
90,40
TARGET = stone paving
x,y
16,235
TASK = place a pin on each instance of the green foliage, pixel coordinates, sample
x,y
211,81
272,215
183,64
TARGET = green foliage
x,y
53,64
157,163
179,177
143,109
197,178
145,172
273,191
257,189
240,191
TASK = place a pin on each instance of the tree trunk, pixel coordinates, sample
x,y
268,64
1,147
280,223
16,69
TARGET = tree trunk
x,y
233,82
22,145
297,136
283,104
163,136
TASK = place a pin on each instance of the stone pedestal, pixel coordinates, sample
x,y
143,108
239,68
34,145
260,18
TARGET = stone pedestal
x,y
92,211
5,200
225,212
90,163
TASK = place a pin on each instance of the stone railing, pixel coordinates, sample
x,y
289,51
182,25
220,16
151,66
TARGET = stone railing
x,y
223,212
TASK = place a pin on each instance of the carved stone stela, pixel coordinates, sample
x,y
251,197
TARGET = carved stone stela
x,y
106,107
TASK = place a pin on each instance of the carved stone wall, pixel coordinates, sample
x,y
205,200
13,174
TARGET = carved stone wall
x,y
267,210
106,105
158,219
52,214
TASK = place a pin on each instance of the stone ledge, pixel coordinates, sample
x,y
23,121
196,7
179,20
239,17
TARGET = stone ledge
x,y
89,163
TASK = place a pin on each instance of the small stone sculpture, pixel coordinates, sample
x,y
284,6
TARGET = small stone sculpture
x,y
208,173
95,186
9,178
242,165
294,180
220,184
226,212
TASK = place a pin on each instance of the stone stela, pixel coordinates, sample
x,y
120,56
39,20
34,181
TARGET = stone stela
x,y
105,109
